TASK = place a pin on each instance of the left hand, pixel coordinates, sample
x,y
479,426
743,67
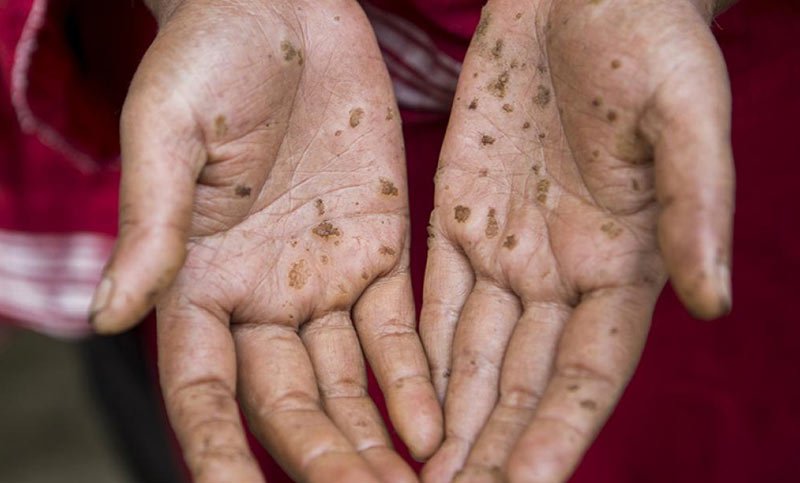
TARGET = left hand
x,y
587,159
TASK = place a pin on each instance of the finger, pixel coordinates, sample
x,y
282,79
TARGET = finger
x,y
278,391
448,281
526,371
335,354
483,332
160,163
689,126
198,376
597,355
384,319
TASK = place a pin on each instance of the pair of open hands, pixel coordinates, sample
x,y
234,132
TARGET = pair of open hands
x,y
264,211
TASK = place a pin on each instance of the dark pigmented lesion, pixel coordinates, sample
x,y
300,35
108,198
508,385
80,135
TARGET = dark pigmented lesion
x,y
461,213
499,86
220,126
356,114
290,52
616,64
298,274
508,108
611,115
326,230
588,404
492,227
388,188
542,189
487,140
389,114
473,104
510,242
385,250
611,229
242,191
543,96
483,24
497,50
320,206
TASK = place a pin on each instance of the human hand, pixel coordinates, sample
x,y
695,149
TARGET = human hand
x,y
587,158
264,206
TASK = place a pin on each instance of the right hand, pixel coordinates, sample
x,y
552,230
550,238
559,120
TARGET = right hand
x,y
264,207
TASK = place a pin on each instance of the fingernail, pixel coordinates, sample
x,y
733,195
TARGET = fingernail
x,y
102,296
724,284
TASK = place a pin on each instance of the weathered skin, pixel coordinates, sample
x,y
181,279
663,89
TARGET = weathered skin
x,y
587,158
264,206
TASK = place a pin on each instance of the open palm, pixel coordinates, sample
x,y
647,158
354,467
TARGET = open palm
x,y
587,158
264,207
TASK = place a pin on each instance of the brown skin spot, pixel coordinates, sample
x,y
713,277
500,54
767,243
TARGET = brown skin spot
x,y
514,64
220,126
543,96
588,404
497,50
242,191
320,206
611,229
526,125
542,188
384,250
324,259
326,230
518,15
362,423
338,133
461,213
541,68
510,242
483,173
293,243
473,105
492,227
480,30
446,374
499,86
613,331
595,154
508,108
298,275
536,168
474,75
542,136
573,387
635,185
337,18
611,116
597,102
364,276
616,64
290,52
389,113
388,188
355,116
486,140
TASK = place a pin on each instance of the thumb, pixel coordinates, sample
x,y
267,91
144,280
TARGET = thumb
x,y
689,126
162,155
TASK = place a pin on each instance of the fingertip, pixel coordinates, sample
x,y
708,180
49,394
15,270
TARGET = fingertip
x,y
706,294
421,426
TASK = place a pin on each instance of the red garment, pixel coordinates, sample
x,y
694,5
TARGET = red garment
x,y
711,402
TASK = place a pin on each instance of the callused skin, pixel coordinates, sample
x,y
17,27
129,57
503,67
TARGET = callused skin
x,y
587,159
264,207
